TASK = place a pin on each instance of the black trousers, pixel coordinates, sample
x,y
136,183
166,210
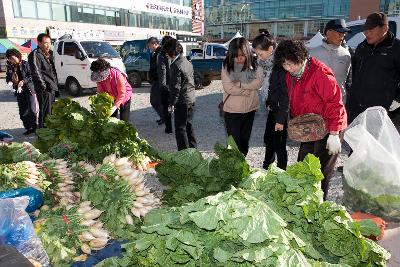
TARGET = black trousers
x,y
155,98
28,109
46,100
184,133
275,143
124,111
328,162
239,126
166,115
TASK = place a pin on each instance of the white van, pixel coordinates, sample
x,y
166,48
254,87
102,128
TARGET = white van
x,y
356,36
72,59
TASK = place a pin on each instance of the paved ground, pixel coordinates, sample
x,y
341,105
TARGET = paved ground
x,y
209,129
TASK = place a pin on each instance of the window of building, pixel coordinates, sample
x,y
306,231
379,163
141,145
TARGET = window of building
x,y
16,8
43,9
58,11
29,9
70,49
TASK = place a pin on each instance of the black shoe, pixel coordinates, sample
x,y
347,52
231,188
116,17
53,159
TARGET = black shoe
x,y
168,131
160,121
30,131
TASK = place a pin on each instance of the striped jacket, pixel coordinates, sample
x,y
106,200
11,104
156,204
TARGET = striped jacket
x,y
43,71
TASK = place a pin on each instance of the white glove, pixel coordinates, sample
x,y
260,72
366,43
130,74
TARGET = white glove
x,y
19,90
395,105
113,109
10,87
333,144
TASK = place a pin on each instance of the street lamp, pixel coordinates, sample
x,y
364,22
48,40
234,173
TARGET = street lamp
x,y
241,15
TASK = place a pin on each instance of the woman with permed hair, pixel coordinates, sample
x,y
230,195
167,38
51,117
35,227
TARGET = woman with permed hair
x,y
312,88
241,80
114,82
20,78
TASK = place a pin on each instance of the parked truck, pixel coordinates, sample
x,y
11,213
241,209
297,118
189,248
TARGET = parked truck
x,y
136,57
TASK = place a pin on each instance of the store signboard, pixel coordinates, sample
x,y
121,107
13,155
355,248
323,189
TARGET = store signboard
x,y
81,35
163,8
114,35
198,16
23,32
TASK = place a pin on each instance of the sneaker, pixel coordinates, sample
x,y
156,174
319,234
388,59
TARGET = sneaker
x,y
30,131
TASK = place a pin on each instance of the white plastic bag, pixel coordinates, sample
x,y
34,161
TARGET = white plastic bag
x,y
372,173
16,229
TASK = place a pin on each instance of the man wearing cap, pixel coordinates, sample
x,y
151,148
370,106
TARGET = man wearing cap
x,y
376,68
333,54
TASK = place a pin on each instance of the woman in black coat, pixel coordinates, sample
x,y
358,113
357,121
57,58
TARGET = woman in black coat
x,y
19,77
181,94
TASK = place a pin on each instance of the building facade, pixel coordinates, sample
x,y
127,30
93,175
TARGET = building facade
x,y
114,21
289,18
391,7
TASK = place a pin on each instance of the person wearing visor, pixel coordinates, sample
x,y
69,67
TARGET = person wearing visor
x,y
376,69
114,82
333,54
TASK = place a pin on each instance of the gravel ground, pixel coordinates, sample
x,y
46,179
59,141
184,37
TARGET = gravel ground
x,y
209,128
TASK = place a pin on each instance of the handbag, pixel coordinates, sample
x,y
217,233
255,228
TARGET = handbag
x,y
221,106
307,127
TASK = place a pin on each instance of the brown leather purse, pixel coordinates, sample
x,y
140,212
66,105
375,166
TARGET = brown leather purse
x,y
307,127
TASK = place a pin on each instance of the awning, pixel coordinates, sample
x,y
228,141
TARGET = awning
x,y
7,44
31,44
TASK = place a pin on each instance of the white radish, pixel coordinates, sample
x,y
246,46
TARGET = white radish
x,y
83,209
64,201
98,232
106,159
62,185
98,243
135,174
143,212
88,223
144,166
121,161
125,172
129,219
31,181
113,157
77,194
86,249
69,207
139,167
140,193
138,205
60,194
135,212
66,188
92,214
98,224
86,236
139,187
116,178
85,203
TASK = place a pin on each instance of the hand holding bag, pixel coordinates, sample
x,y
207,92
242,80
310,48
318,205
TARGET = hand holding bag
x,y
307,127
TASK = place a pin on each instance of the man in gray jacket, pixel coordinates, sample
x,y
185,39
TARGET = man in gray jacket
x,y
333,54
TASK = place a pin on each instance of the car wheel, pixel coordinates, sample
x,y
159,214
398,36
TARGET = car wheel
x,y
73,87
134,79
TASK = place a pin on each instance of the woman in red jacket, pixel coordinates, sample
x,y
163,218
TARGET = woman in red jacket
x,y
312,88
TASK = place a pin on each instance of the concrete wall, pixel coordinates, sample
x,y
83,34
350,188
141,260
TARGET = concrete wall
x,y
360,9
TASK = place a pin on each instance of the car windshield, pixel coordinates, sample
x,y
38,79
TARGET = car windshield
x,y
99,49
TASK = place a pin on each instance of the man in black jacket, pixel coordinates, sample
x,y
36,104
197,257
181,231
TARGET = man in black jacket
x,y
376,69
163,80
41,64
155,92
